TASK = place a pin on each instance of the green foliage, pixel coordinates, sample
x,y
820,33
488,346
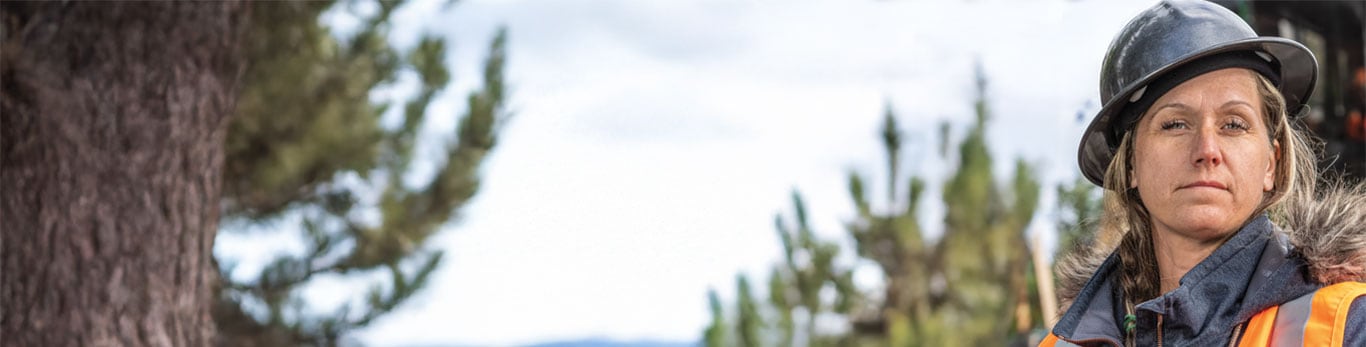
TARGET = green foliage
x,y
808,269
748,323
308,141
1079,209
715,335
956,290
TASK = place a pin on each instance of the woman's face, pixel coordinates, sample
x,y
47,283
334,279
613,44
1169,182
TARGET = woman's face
x,y
1203,156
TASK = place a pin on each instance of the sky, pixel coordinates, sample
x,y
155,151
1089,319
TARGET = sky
x,y
652,143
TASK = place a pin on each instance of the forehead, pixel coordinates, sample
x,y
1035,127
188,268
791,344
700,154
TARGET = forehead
x,y
1218,86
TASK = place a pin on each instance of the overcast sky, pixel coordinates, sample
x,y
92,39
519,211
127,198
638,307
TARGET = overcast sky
x,y
654,141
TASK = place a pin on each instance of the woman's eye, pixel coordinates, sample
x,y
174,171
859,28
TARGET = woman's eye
x,y
1234,124
1173,124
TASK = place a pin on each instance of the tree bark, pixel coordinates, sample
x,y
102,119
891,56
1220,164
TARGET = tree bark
x,y
112,120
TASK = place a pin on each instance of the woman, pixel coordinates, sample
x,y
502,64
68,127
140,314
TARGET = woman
x,y
1195,149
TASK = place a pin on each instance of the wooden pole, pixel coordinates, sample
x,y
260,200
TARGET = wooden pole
x,y
1043,275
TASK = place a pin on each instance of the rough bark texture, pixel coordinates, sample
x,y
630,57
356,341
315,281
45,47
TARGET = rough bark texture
x,y
112,121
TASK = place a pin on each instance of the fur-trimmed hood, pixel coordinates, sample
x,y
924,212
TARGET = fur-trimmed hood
x,y
1328,232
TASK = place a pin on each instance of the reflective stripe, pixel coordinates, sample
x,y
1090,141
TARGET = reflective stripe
x,y
1290,321
1328,322
1064,343
1317,319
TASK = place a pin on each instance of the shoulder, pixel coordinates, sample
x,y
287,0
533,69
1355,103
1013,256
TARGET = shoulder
x,y
1356,317
1336,308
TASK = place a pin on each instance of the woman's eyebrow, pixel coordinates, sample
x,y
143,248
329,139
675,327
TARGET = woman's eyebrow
x,y
1173,104
1183,107
1232,103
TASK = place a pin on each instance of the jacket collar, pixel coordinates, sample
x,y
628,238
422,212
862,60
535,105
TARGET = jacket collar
x,y
1248,273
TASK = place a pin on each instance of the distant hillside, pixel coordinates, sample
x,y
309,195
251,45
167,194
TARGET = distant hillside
x,y
589,342
613,343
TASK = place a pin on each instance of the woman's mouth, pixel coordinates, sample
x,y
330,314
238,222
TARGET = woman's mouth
x,y
1205,184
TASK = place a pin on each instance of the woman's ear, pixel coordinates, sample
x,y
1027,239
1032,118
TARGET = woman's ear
x,y
1269,182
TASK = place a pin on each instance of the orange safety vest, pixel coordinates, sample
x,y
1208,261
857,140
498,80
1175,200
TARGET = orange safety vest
x,y
1317,319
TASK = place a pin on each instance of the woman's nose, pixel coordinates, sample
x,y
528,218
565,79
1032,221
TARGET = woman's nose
x,y
1207,150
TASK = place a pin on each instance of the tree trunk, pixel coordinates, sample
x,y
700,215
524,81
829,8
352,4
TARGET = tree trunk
x,y
112,120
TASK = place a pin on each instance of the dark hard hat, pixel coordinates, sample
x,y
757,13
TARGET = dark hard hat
x,y
1167,37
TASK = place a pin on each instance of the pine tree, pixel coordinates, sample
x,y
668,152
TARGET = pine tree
x,y
950,291
984,238
1079,209
309,143
749,322
715,335
111,131
808,269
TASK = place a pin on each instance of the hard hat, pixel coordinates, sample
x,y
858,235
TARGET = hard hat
x,y
1173,42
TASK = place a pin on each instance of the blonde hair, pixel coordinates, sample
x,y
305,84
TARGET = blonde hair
x,y
1126,221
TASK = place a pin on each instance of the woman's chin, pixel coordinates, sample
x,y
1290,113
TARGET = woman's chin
x,y
1203,222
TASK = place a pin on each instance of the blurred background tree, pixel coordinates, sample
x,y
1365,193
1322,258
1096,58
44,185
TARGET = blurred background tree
x,y
112,122
797,293
1079,209
984,250
311,144
950,291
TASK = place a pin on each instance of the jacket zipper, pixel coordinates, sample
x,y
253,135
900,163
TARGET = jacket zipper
x,y
1237,332
1159,330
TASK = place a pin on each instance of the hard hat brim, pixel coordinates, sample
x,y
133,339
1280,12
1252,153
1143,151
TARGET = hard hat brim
x,y
1298,72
